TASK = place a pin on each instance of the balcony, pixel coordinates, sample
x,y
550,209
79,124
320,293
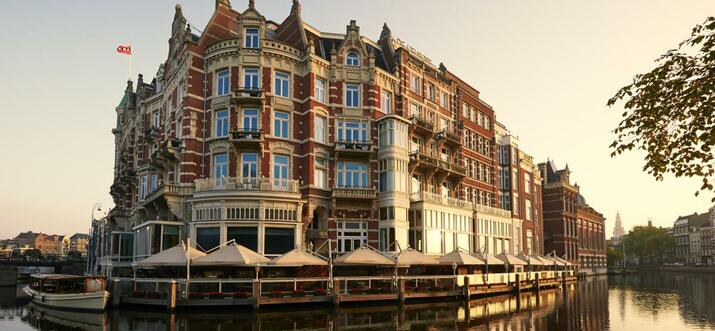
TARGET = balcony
x,y
171,189
247,96
234,184
354,192
353,147
450,136
421,125
247,137
152,135
482,209
419,159
453,168
441,200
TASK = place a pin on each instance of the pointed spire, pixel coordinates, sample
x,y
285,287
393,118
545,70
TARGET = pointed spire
x,y
130,87
295,8
442,67
223,3
385,31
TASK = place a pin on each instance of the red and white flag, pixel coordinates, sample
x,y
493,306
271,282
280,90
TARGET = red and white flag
x,y
125,49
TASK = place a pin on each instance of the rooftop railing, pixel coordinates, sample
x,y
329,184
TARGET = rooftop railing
x,y
439,199
246,184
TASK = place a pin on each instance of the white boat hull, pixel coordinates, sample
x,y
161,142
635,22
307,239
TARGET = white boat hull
x,y
83,301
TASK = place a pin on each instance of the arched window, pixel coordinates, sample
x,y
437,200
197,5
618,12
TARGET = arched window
x,y
353,59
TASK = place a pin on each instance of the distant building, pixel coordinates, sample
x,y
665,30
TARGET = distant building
x,y
618,230
572,229
79,242
693,236
48,244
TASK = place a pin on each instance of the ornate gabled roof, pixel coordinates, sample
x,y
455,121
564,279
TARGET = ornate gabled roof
x,y
291,31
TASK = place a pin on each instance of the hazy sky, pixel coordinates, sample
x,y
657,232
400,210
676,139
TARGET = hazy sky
x,y
547,67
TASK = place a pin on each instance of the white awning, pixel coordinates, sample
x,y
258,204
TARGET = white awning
x,y
410,257
460,258
530,259
298,257
489,259
172,257
231,255
510,259
365,256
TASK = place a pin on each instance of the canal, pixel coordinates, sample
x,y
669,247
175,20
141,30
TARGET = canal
x,y
644,301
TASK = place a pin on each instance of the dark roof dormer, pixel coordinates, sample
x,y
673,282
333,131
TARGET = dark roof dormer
x,y
291,31
352,44
388,52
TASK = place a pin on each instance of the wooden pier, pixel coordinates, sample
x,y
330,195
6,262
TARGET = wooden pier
x,y
172,294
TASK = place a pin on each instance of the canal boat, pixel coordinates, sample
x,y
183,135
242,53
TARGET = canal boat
x,y
68,291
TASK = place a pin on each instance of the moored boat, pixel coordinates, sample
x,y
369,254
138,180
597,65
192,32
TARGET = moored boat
x,y
68,291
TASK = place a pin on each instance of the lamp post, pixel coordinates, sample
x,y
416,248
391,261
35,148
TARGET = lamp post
x,y
90,262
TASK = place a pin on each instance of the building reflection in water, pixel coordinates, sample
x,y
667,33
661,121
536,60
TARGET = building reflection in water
x,y
647,301
681,300
548,310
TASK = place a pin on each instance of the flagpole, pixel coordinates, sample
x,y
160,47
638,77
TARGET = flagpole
x,y
131,54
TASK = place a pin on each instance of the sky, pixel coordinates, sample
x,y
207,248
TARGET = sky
x,y
547,67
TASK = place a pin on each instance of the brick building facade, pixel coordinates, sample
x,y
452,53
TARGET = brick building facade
x,y
280,135
572,228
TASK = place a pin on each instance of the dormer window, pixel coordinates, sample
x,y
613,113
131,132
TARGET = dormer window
x,y
251,36
352,59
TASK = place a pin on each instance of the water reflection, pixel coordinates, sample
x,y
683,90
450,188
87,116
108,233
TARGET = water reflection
x,y
640,302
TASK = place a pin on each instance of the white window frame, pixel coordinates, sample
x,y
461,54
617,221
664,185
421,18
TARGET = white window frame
x,y
352,95
247,119
282,84
251,78
280,123
346,172
246,172
320,90
352,59
320,124
386,102
355,240
221,123
253,40
320,177
223,82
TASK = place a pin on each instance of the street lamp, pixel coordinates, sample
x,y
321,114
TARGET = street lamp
x,y
95,247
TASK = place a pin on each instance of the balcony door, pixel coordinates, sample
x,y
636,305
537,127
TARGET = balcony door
x,y
250,120
220,170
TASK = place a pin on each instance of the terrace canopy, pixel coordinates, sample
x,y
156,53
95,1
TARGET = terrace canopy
x,y
231,255
298,257
510,259
172,257
544,260
364,256
489,259
410,257
460,258
530,259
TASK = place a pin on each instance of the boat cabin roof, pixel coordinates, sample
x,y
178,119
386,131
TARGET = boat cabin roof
x,y
61,277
